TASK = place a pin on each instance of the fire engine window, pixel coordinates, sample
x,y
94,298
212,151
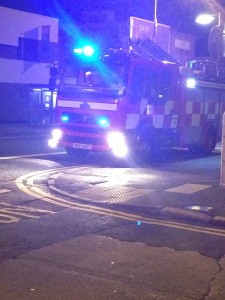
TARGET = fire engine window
x,y
157,86
137,81
151,85
70,76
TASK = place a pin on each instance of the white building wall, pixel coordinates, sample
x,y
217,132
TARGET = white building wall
x,y
28,46
15,23
23,72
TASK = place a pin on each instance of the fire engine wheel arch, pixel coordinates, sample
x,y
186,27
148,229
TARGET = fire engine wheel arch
x,y
208,144
148,139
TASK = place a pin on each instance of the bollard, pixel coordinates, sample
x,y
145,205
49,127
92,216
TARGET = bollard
x,y
222,170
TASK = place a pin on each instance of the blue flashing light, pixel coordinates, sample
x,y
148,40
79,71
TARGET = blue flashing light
x,y
103,121
138,223
77,50
65,118
86,50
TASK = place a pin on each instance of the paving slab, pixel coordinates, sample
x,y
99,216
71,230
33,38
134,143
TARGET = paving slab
x,y
101,268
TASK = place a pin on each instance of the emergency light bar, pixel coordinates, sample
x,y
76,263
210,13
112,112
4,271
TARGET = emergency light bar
x,y
87,51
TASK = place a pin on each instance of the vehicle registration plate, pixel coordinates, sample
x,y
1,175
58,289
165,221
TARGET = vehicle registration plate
x,y
82,146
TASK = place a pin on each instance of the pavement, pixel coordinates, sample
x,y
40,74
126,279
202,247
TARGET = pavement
x,y
102,267
194,197
15,129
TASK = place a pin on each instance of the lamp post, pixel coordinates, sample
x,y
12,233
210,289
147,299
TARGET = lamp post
x,y
216,42
155,19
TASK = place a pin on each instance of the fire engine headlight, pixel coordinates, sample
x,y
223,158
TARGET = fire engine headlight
x,y
57,133
56,136
117,144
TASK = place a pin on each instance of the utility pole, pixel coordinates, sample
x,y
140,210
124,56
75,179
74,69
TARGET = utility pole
x,y
155,19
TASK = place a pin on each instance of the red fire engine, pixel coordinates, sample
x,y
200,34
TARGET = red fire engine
x,y
136,101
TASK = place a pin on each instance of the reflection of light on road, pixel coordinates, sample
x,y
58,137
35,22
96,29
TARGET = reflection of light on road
x,y
218,147
199,208
38,192
30,155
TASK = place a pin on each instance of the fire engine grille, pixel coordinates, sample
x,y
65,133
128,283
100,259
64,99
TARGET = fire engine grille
x,y
84,140
94,130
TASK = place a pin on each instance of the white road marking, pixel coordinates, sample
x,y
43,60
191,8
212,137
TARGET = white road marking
x,y
6,219
8,212
40,194
188,188
3,191
30,155
21,135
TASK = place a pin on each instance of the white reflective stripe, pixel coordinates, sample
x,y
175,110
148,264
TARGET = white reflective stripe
x,y
211,84
132,121
217,108
195,120
202,108
189,107
169,106
158,121
65,103
103,106
206,108
93,105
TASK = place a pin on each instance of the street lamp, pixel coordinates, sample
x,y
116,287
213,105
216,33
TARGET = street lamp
x,y
205,19
215,39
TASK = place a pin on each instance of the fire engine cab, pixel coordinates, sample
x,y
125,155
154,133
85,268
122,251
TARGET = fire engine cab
x,y
138,100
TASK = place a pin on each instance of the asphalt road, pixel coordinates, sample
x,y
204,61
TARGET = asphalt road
x,y
52,247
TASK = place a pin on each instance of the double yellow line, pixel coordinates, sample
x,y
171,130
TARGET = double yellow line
x,y
26,183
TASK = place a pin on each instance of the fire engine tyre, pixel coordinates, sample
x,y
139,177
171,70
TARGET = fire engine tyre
x,y
210,142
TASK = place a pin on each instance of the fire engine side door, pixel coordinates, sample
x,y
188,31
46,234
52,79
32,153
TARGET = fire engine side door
x,y
151,106
149,87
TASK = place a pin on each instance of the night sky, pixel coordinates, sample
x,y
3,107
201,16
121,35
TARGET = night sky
x,y
179,14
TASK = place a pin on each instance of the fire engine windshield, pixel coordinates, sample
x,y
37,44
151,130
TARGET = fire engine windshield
x,y
104,76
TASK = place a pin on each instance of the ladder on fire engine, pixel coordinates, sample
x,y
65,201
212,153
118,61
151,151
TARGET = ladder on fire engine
x,y
209,70
151,50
